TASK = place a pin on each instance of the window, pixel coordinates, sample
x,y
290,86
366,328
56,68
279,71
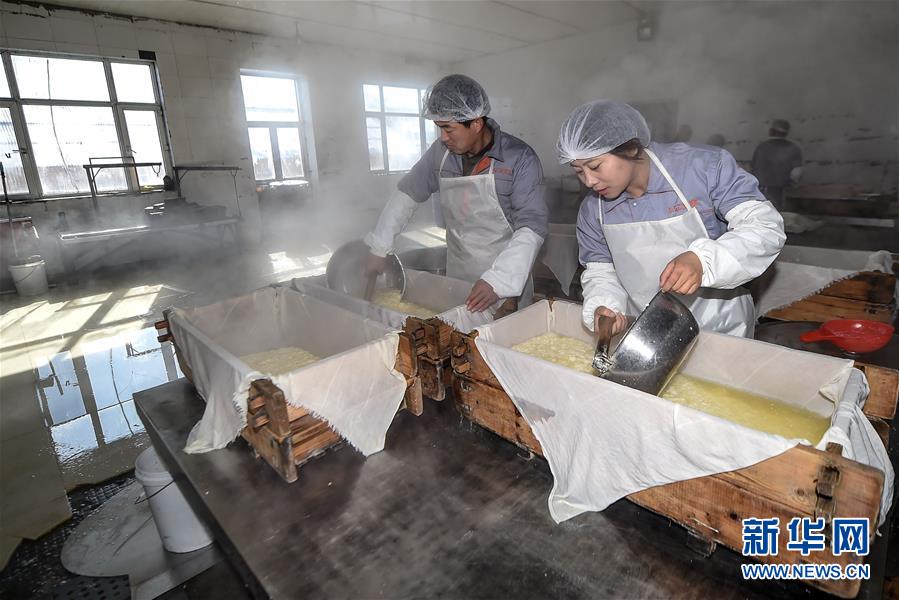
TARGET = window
x,y
60,112
274,125
397,135
4,84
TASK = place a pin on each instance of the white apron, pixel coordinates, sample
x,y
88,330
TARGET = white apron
x,y
640,252
476,228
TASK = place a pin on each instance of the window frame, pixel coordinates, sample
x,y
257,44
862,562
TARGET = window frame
x,y
274,126
382,118
32,175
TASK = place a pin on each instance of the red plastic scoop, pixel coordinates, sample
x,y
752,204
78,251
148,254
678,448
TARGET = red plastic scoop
x,y
852,335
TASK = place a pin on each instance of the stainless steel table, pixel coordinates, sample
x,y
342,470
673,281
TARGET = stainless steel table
x,y
446,510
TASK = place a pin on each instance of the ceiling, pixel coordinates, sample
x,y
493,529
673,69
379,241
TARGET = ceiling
x,y
441,30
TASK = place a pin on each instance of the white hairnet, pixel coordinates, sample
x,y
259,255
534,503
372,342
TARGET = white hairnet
x,y
455,98
597,127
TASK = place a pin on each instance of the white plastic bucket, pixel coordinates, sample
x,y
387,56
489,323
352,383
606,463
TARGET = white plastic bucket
x,y
179,527
30,278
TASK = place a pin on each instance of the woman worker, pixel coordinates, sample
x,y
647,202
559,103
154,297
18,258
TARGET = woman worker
x,y
675,217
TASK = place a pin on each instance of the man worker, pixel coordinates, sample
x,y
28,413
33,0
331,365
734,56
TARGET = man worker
x,y
777,163
491,195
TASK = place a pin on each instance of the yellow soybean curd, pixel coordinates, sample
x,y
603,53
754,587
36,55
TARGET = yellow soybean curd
x,y
280,360
743,408
393,300
561,350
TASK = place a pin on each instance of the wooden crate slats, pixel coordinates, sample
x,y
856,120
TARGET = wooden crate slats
x,y
314,444
868,286
492,409
432,337
277,453
406,358
825,308
866,295
884,394
443,334
275,406
413,401
468,362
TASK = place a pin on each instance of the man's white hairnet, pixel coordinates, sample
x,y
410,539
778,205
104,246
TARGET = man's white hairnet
x,y
455,98
596,127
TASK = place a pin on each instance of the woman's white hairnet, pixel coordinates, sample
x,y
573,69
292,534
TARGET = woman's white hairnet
x,y
596,127
455,98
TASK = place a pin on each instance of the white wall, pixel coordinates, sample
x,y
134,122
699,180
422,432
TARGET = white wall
x,y
199,73
831,68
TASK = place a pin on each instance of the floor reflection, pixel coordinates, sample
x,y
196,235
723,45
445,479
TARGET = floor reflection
x,y
86,397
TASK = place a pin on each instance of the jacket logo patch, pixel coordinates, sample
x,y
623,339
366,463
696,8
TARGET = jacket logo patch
x,y
678,206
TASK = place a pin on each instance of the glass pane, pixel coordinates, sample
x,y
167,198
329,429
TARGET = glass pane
x,y
403,100
60,78
261,149
372,97
269,98
15,174
375,144
4,84
432,132
291,154
143,133
133,83
403,142
63,138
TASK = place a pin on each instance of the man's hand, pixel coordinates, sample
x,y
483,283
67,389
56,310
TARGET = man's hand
x,y
682,275
481,297
375,265
620,320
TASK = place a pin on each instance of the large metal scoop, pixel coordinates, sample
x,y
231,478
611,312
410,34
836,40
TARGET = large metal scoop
x,y
346,272
652,349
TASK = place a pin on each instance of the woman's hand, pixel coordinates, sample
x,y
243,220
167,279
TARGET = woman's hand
x,y
620,320
682,275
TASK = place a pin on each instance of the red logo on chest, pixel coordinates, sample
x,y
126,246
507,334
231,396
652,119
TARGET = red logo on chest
x,y
678,206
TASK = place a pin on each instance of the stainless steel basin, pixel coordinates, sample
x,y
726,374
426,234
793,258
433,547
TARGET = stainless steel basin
x,y
653,348
432,260
346,270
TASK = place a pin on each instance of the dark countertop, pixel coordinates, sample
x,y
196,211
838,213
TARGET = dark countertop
x,y
786,333
447,509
